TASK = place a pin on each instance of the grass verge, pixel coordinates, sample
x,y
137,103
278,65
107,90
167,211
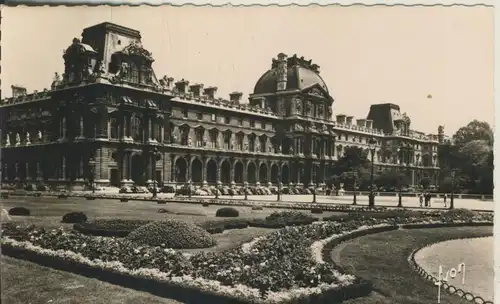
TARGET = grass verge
x,y
382,258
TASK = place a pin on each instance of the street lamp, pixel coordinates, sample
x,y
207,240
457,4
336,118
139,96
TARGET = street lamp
x,y
400,182
314,185
246,188
189,188
279,183
452,188
371,198
156,155
91,175
354,199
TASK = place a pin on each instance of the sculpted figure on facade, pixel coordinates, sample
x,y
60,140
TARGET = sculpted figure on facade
x,y
28,141
7,140
18,139
307,107
298,105
257,146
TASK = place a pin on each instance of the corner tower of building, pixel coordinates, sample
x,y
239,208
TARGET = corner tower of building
x,y
108,38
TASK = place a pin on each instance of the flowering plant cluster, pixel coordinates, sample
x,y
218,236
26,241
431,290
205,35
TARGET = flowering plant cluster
x,y
285,265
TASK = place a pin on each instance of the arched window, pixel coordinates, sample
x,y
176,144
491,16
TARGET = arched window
x,y
133,72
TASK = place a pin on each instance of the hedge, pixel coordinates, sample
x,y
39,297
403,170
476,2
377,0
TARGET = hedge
x,y
21,211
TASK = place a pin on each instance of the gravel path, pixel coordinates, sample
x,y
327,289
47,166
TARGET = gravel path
x,y
477,254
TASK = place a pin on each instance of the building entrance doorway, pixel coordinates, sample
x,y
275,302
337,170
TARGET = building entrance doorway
x,y
138,170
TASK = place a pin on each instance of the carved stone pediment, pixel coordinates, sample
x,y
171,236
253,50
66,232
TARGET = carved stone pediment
x,y
135,48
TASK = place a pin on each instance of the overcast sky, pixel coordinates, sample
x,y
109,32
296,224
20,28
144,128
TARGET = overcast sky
x,y
367,55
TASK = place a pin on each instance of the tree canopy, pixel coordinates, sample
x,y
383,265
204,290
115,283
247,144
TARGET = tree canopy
x,y
471,157
474,130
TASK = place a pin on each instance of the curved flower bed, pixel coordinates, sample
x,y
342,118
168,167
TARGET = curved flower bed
x,y
277,268
445,286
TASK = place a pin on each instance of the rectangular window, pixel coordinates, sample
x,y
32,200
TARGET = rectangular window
x,y
199,138
199,116
214,117
185,113
240,122
213,139
239,143
114,127
227,120
227,141
263,125
252,123
251,144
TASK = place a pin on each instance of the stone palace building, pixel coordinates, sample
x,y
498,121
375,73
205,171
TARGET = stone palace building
x,y
108,115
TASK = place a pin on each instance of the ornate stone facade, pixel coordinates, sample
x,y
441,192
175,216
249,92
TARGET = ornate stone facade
x,y
109,116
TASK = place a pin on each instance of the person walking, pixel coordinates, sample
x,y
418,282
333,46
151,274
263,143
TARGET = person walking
x,y
444,198
421,199
429,199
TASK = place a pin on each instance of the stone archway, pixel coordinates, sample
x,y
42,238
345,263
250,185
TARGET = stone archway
x,y
138,169
211,171
285,174
251,171
225,172
196,171
263,173
238,172
274,174
180,170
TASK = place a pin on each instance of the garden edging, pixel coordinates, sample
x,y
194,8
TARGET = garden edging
x,y
451,289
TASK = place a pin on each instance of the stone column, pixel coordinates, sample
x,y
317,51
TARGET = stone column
x,y
39,174
5,172
150,167
245,171
231,173
63,167
204,171
27,171
129,167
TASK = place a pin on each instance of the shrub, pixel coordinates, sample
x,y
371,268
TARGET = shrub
x,y
257,208
5,195
42,187
289,215
37,194
162,202
62,196
205,204
19,211
219,226
161,210
227,212
74,217
316,210
117,224
172,233
457,215
124,200
90,198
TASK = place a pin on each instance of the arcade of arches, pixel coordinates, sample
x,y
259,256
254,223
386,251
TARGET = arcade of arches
x,y
238,171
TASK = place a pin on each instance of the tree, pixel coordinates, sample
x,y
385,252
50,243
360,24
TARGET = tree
x,y
474,130
353,165
425,182
392,179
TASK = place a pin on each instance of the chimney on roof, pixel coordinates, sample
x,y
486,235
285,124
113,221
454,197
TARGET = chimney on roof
x,y
361,122
235,97
182,86
196,89
18,91
369,123
348,120
282,71
210,92
341,119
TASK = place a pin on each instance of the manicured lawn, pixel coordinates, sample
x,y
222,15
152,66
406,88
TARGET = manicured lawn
x,y
48,211
24,282
382,259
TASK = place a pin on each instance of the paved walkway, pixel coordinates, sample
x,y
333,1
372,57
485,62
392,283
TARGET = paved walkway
x,y
388,201
477,254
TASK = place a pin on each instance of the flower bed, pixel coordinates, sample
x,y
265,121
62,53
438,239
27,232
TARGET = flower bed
x,y
278,268
110,227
